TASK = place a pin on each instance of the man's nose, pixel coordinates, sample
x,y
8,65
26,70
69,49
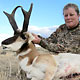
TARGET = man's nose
x,y
68,16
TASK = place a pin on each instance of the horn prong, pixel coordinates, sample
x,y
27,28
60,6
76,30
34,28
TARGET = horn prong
x,y
12,20
26,18
30,10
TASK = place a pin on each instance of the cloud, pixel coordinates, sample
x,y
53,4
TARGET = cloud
x,y
43,31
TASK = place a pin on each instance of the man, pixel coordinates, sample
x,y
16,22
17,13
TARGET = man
x,y
67,37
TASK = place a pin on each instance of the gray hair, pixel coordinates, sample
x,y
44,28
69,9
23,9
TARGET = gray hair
x,y
71,5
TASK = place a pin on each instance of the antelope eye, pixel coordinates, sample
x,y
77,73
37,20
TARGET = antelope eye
x,y
23,36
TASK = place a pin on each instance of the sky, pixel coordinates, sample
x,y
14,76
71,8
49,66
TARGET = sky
x,y
46,16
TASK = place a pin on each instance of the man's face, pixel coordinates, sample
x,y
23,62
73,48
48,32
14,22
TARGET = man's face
x,y
71,17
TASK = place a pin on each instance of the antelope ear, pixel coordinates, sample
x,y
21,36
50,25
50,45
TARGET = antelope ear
x,y
31,37
12,20
26,18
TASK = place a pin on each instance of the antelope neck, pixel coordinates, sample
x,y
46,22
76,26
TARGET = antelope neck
x,y
30,53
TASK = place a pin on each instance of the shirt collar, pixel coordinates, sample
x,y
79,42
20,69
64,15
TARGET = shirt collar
x,y
74,27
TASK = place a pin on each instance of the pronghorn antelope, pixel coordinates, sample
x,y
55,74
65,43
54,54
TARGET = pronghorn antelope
x,y
65,66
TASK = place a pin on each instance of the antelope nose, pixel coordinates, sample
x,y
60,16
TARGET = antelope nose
x,y
4,47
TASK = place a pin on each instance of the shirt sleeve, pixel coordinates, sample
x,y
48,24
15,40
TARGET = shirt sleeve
x,y
51,43
53,47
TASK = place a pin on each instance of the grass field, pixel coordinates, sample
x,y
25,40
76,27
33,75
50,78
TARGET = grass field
x,y
9,68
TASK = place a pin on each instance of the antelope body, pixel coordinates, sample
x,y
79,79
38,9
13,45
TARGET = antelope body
x,y
39,66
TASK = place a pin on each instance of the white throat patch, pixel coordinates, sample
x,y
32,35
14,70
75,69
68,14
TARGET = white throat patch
x,y
24,53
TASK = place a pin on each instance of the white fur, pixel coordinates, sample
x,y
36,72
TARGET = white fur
x,y
18,30
35,70
67,64
24,53
23,63
14,46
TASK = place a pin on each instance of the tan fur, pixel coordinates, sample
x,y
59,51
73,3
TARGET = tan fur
x,y
42,58
51,68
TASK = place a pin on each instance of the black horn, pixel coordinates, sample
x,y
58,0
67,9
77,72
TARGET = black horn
x,y
26,18
12,20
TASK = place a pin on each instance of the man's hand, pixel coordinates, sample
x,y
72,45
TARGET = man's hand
x,y
37,39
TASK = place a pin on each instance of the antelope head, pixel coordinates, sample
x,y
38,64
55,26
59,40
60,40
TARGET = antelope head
x,y
20,38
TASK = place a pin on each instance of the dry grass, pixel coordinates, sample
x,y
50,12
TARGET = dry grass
x,y
9,68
